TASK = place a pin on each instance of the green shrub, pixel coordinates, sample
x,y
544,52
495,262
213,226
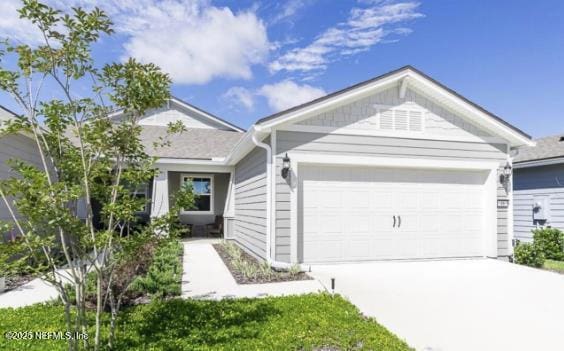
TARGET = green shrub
x,y
529,255
306,322
165,272
551,242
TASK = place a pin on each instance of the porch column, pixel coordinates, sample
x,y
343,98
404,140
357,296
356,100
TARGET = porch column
x,y
159,199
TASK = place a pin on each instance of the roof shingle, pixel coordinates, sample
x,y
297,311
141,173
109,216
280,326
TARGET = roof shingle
x,y
194,143
547,147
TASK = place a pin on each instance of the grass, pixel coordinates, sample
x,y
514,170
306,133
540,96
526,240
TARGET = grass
x,y
306,322
552,265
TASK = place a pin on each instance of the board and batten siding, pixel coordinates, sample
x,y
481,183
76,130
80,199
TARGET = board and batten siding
x,y
537,182
249,229
15,146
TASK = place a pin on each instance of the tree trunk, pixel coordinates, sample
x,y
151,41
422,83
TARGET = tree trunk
x,y
99,308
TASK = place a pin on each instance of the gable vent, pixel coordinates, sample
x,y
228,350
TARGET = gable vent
x,y
401,119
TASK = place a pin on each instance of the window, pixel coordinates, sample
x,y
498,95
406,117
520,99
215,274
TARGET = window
x,y
141,192
203,188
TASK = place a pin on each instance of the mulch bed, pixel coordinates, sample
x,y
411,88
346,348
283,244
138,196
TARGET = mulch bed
x,y
14,282
277,276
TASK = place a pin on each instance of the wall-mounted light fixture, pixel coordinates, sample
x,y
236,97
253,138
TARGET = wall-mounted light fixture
x,y
506,173
285,167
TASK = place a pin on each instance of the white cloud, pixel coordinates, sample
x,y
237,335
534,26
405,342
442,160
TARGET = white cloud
x,y
364,28
286,94
11,26
239,96
196,43
288,10
192,40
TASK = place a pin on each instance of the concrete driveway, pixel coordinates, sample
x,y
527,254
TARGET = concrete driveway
x,y
479,304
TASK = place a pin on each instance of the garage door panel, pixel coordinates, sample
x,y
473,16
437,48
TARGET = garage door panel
x,y
358,248
348,213
356,199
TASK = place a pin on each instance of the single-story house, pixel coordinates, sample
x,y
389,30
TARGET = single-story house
x,y
16,146
538,184
396,167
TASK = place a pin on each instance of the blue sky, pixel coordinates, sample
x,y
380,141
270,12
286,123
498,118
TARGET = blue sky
x,y
244,61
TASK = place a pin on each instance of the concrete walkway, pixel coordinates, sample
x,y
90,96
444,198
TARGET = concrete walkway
x,y
206,276
457,305
35,291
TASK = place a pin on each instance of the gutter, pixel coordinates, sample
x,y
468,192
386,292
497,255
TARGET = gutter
x,y
254,132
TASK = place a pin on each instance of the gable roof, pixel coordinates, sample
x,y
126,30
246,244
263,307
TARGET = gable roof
x,y
6,113
517,136
207,114
199,111
546,148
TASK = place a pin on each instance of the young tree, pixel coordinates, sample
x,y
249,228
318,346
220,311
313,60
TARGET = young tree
x,y
85,157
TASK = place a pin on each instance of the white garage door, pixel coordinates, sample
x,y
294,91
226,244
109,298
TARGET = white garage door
x,y
366,213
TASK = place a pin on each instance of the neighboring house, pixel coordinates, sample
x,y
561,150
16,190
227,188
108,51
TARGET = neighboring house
x,y
538,183
396,167
18,146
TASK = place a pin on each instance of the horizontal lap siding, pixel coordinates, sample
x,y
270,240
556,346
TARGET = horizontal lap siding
x,y
282,215
249,228
545,181
380,147
386,146
15,147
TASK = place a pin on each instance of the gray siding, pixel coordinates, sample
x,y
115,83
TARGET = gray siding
x,y
545,181
361,115
381,147
249,229
283,206
15,147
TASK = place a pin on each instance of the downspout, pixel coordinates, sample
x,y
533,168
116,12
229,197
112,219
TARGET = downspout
x,y
269,215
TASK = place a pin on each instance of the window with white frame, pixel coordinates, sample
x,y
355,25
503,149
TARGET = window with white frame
x,y
202,185
141,192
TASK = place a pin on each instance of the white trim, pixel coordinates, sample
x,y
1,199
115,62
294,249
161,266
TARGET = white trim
x,y
490,225
510,211
389,134
268,150
273,192
483,118
294,210
212,191
429,87
159,197
192,167
538,163
146,194
333,102
403,87
394,162
207,115
490,209
189,161
229,210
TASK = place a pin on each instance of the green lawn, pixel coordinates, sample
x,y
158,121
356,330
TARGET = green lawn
x,y
557,266
307,322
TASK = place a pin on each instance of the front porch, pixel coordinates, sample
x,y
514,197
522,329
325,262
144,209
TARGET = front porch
x,y
212,184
